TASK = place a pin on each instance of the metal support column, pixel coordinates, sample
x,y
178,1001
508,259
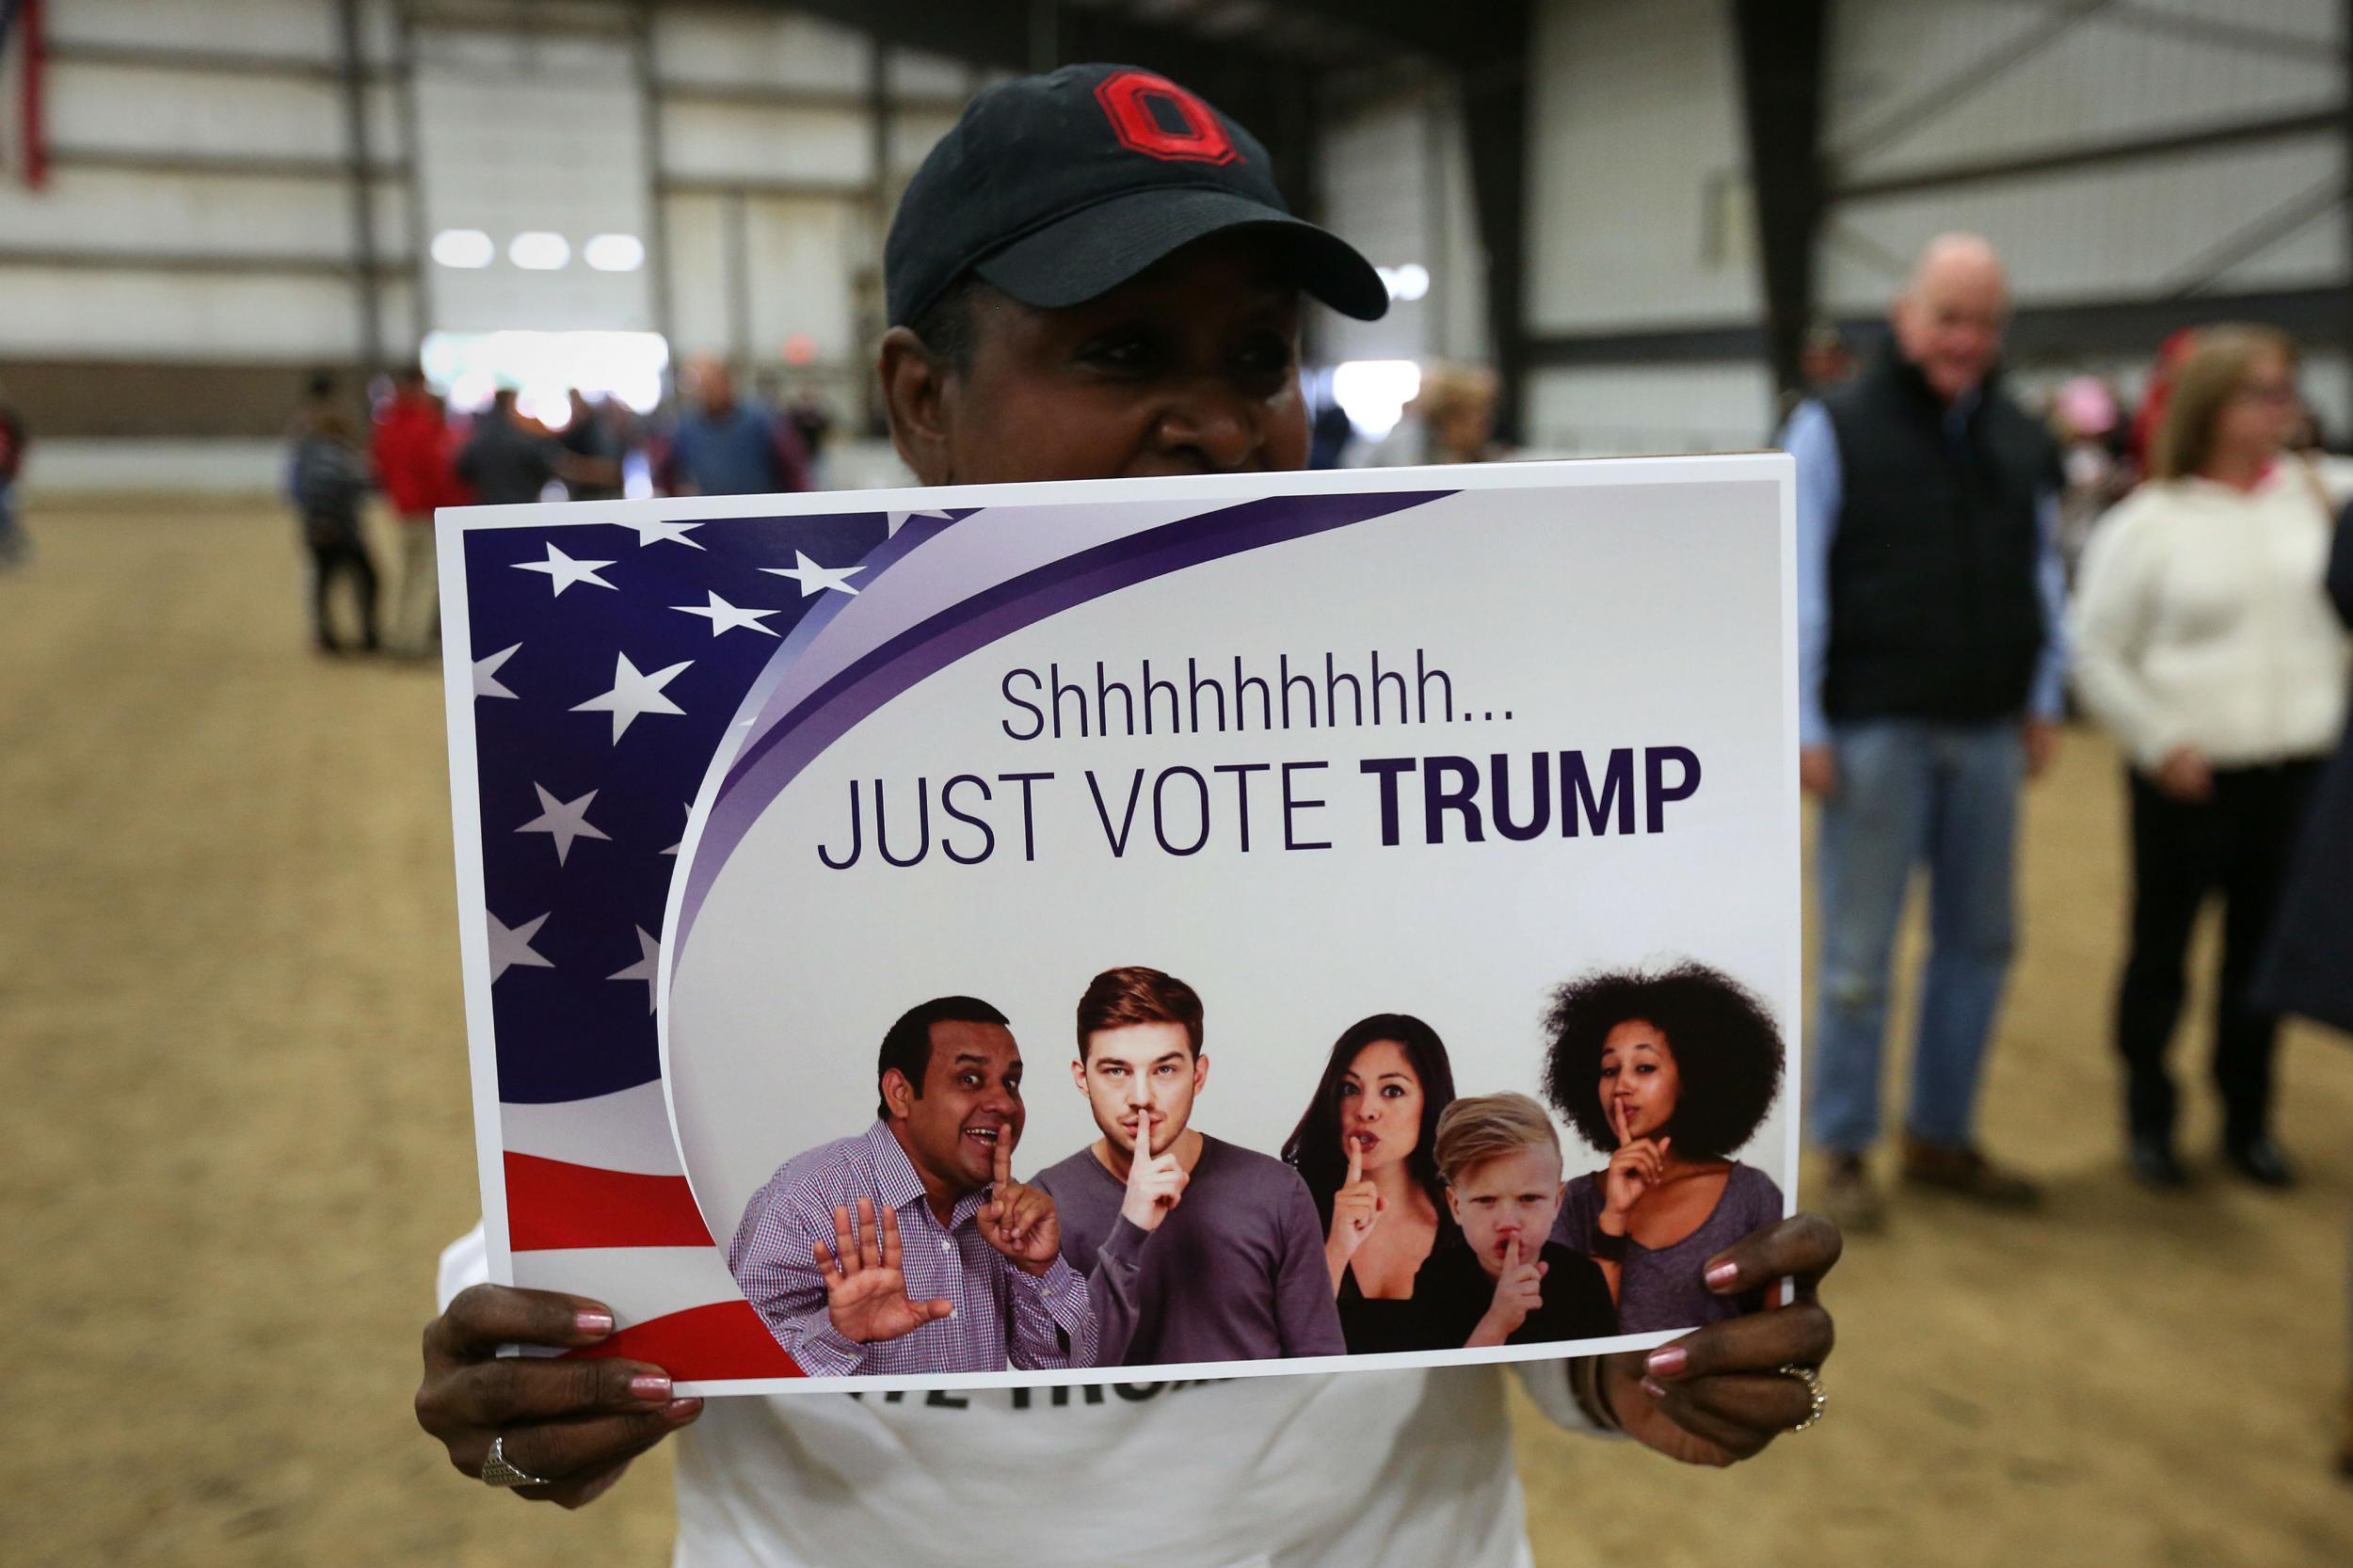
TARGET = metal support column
x,y
358,166
738,272
412,174
878,114
1780,46
649,138
1496,126
2345,44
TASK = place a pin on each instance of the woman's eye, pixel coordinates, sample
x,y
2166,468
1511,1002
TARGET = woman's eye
x,y
1267,353
1127,352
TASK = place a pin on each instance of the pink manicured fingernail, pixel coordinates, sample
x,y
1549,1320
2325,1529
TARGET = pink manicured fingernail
x,y
1655,1388
1667,1361
592,1320
1722,1275
649,1386
679,1412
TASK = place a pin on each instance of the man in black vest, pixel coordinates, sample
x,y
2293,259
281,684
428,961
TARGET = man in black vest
x,y
1930,669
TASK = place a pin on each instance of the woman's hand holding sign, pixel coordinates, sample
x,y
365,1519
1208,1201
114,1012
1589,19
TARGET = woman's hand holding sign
x,y
1720,1395
576,1423
866,1292
1018,1219
1356,1207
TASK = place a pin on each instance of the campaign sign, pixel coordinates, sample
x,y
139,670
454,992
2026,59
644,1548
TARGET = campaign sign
x,y
1132,930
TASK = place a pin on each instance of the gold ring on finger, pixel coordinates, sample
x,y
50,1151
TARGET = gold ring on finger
x,y
1812,1380
498,1470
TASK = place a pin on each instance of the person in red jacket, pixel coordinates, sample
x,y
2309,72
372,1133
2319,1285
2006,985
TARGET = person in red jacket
x,y
414,449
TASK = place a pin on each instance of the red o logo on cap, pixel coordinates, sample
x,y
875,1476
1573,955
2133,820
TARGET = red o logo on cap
x,y
1140,105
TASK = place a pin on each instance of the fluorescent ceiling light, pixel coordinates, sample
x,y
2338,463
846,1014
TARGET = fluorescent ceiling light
x,y
463,247
537,250
613,252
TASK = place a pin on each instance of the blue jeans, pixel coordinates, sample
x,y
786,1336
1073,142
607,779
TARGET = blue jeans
x,y
1911,790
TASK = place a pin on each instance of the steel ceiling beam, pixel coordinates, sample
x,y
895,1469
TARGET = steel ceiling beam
x,y
2094,154
2047,330
1258,89
1782,46
1496,127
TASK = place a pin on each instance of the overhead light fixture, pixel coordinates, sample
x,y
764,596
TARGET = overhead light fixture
x,y
463,247
613,252
1408,281
539,251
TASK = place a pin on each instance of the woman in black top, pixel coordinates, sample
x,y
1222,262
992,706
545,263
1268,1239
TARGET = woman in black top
x,y
1366,1148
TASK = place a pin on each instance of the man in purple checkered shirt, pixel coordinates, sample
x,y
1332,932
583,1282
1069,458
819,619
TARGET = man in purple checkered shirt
x,y
910,1248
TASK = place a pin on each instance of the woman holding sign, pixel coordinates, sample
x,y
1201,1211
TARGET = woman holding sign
x,y
1667,1073
1366,1148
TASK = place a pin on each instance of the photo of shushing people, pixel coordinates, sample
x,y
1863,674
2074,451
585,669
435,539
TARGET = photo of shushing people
x,y
909,1248
1194,1249
1668,1073
1399,1218
1367,1148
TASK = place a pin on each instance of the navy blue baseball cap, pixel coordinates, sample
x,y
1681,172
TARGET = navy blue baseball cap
x,y
1059,188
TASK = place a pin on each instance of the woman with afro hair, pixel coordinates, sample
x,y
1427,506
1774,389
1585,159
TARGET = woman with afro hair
x,y
1668,1072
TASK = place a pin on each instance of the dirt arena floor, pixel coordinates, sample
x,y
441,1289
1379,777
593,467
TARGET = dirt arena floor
x,y
240,1132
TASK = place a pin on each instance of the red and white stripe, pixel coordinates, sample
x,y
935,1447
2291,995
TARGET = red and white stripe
x,y
597,1206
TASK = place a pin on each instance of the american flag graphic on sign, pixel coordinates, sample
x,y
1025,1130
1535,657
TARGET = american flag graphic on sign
x,y
608,666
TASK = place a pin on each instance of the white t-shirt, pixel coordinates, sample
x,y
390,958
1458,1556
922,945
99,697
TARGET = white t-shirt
x,y
1353,1470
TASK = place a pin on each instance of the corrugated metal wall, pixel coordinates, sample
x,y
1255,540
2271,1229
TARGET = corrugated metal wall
x,y
1643,217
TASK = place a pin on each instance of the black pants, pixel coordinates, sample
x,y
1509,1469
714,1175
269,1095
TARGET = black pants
x,y
2238,843
332,556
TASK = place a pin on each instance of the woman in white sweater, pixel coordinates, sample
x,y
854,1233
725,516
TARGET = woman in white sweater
x,y
2204,641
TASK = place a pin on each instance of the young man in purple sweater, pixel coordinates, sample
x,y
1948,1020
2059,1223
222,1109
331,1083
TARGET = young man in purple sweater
x,y
1194,1250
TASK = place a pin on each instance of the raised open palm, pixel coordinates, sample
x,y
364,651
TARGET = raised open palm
x,y
866,1293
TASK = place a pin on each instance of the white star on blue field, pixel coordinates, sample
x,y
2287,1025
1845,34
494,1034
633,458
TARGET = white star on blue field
x,y
612,659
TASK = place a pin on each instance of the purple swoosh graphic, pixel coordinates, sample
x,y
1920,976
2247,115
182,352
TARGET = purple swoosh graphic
x,y
775,759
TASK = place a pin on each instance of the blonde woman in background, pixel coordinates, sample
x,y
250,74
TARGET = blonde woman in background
x,y
2205,643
